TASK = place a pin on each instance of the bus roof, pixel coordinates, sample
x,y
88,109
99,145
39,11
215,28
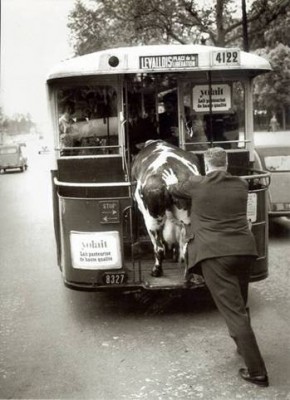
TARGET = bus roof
x,y
161,58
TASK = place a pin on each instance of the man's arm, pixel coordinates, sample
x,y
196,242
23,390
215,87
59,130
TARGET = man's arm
x,y
177,188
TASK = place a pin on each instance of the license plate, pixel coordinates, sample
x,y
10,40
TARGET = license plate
x,y
114,278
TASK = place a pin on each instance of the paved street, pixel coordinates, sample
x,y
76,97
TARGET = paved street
x,y
61,344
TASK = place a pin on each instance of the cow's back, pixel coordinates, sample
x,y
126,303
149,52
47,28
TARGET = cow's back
x,y
159,155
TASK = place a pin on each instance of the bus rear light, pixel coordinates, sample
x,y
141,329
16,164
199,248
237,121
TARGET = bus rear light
x,y
113,61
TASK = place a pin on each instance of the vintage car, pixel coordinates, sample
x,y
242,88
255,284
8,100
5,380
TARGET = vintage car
x,y
275,158
12,157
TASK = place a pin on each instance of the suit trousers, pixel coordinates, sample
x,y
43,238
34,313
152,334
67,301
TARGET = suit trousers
x,y
227,279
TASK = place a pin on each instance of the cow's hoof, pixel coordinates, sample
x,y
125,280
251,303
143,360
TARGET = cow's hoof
x,y
157,272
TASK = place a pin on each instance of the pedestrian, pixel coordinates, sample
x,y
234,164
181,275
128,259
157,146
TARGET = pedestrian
x,y
222,248
273,126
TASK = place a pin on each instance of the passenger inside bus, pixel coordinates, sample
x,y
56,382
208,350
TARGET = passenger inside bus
x,y
65,120
195,130
147,128
168,120
88,119
141,130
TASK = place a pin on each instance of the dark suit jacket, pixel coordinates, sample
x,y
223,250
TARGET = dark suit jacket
x,y
219,225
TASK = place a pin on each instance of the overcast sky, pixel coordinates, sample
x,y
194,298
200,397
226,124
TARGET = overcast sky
x,y
34,37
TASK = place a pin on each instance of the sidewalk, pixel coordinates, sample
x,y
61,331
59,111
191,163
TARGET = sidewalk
x,y
272,138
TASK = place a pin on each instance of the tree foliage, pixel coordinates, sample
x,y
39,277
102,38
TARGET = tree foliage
x,y
272,90
17,124
99,24
269,23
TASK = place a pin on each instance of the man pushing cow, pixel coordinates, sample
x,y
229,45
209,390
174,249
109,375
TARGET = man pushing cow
x,y
223,248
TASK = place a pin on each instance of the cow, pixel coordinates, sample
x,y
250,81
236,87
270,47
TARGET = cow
x,y
166,218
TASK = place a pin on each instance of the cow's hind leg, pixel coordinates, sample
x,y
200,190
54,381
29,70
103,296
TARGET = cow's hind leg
x,y
154,224
154,228
159,250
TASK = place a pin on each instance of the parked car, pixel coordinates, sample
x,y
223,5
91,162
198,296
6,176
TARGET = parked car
x,y
276,159
11,157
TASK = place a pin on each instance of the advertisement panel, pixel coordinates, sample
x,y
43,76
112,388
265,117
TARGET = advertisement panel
x,y
95,250
219,94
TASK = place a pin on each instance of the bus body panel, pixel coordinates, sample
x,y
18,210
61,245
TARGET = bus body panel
x,y
95,102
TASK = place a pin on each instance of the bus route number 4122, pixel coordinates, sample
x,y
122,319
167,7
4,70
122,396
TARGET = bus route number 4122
x,y
226,57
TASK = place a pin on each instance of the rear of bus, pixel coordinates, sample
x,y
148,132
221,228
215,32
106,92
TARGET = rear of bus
x,y
95,102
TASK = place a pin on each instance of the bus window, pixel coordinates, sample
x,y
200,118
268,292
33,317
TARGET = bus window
x,y
223,124
141,110
152,109
87,118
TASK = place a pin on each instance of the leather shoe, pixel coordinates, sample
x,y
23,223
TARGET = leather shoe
x,y
260,380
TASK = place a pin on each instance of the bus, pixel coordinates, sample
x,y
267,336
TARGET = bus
x,y
104,106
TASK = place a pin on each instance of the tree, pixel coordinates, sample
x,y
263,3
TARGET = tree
x,y
269,23
272,90
100,24
278,32
17,124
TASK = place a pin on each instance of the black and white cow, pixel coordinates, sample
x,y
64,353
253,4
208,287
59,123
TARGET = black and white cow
x,y
165,217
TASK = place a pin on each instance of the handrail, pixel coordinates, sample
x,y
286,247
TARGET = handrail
x,y
264,179
254,174
90,184
124,160
219,141
258,175
88,147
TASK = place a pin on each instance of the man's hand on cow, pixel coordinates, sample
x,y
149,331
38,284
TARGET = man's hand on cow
x,y
169,177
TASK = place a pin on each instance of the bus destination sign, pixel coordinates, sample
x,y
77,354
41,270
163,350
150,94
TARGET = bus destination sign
x,y
169,61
